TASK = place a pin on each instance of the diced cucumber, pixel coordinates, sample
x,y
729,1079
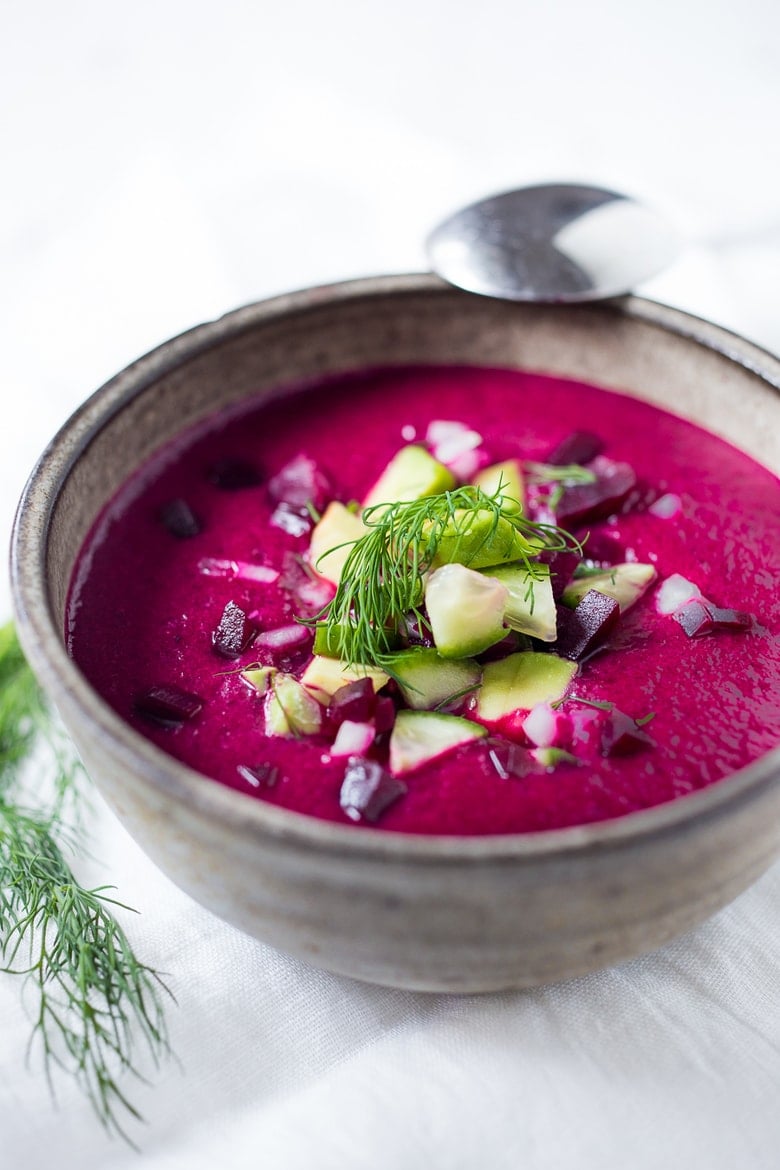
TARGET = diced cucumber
x,y
465,610
520,681
411,474
332,641
323,676
260,677
290,709
420,736
332,540
530,607
474,538
625,583
509,477
428,680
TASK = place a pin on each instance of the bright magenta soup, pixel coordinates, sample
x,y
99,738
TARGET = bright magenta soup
x,y
142,612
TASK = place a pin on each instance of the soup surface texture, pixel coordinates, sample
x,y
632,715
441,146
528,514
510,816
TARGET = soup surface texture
x,y
210,533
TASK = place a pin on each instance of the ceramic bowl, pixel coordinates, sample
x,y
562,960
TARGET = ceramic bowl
x,y
445,913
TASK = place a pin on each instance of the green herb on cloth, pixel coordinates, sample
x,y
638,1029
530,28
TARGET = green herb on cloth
x,y
95,1007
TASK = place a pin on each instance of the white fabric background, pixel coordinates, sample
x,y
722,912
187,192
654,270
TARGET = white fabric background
x,y
163,162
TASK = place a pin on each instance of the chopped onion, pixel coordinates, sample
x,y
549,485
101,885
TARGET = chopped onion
x,y
352,739
666,506
674,593
284,637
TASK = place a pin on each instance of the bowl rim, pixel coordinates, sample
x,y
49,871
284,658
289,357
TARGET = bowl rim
x,y
254,818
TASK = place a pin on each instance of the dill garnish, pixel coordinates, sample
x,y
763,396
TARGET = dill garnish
x,y
94,1002
382,584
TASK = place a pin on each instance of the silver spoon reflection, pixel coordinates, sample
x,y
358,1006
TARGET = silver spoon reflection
x,y
553,242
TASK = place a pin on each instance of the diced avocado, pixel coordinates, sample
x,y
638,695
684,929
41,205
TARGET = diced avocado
x,y
625,583
290,709
420,736
323,676
427,680
474,538
337,530
411,474
260,677
465,610
509,477
530,607
520,681
334,640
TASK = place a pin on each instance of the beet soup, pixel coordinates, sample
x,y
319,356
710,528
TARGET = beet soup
x,y
443,601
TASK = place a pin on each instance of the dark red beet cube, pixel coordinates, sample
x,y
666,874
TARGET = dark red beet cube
x,y
384,714
180,520
582,630
367,789
620,735
234,633
301,483
233,475
168,706
354,701
695,618
578,447
729,619
589,501
259,776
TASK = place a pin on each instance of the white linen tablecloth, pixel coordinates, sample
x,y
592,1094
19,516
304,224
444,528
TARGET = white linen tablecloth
x,y
167,161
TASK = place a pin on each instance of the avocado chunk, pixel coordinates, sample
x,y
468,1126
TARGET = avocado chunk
x,y
508,476
290,709
530,607
333,539
477,539
520,681
427,680
420,736
625,583
465,610
411,474
260,677
323,676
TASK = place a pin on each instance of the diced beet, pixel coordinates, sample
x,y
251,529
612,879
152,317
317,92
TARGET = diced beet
x,y
354,701
384,714
169,706
259,776
582,629
509,760
590,501
233,475
620,735
695,618
729,619
180,520
367,789
301,483
234,633
578,447
416,632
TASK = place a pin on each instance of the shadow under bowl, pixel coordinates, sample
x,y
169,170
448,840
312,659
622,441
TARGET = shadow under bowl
x,y
429,913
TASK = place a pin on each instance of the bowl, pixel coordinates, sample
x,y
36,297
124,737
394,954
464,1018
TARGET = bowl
x,y
429,913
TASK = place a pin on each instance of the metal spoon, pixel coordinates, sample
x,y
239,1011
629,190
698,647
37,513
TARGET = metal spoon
x,y
553,242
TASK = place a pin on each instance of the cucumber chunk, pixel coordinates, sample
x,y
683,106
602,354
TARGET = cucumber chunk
x,y
509,477
625,583
427,680
474,538
530,607
324,676
290,709
465,610
420,736
520,681
411,474
332,540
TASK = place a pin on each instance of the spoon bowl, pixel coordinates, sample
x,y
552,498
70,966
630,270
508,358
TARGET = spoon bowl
x,y
559,242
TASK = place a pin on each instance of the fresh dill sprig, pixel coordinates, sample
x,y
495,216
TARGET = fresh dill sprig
x,y
93,1002
382,580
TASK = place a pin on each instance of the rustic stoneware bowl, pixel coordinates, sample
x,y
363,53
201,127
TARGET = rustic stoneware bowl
x,y
445,913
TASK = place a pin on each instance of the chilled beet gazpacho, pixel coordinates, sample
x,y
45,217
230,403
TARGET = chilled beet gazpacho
x,y
442,600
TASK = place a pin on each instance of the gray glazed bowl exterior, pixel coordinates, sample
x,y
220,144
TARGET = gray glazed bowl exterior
x,y
446,913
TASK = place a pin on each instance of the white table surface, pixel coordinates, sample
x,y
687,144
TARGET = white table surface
x,y
166,161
